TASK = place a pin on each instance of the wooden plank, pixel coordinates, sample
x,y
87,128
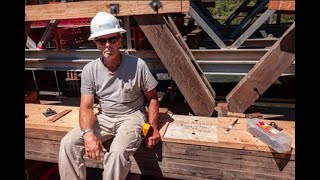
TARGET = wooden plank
x,y
185,5
237,138
214,151
232,156
187,161
288,5
178,64
211,172
264,73
239,166
87,9
37,122
195,129
59,115
185,129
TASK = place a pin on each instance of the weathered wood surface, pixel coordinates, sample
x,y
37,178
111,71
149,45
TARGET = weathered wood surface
x,y
236,155
288,5
87,9
185,47
37,121
268,69
178,64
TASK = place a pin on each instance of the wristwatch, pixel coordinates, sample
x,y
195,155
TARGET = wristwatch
x,y
85,132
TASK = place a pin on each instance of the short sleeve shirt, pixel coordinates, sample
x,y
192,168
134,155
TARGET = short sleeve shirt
x,y
120,92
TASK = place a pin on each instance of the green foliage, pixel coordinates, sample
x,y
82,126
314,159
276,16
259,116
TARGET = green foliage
x,y
224,8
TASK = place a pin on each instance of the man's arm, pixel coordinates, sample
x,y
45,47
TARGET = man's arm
x,y
86,115
87,119
153,114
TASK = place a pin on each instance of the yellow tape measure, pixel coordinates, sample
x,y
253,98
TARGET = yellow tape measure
x,y
145,129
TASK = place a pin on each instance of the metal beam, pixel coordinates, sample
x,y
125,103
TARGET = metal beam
x,y
199,54
259,7
205,24
252,28
211,62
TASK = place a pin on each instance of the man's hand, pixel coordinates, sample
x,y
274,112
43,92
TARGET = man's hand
x,y
92,145
153,137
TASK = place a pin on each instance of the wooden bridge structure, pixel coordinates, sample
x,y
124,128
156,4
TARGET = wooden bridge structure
x,y
230,50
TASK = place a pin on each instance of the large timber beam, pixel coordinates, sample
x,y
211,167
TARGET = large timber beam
x,y
189,53
178,64
85,9
264,73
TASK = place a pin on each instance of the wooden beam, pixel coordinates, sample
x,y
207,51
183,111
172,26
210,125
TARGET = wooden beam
x,y
192,147
264,73
288,5
185,47
87,9
26,31
178,64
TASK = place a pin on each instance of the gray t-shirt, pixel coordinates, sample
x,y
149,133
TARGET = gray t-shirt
x,y
119,92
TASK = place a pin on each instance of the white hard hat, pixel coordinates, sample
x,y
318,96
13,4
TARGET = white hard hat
x,y
104,23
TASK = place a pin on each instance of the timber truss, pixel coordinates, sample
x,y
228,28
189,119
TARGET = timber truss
x,y
235,53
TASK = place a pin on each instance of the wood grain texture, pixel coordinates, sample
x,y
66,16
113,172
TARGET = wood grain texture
x,y
185,47
288,5
264,73
37,122
237,138
232,157
59,115
87,9
178,64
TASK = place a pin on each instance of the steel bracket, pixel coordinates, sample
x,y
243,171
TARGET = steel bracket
x,y
155,5
114,8
49,112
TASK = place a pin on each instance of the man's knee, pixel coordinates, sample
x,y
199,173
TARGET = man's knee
x,y
67,142
119,155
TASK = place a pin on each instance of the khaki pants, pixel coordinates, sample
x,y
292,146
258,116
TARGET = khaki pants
x,y
126,131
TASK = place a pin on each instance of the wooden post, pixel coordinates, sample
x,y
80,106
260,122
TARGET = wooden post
x,y
178,64
264,73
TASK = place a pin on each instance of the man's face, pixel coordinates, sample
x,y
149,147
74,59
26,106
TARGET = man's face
x,y
109,45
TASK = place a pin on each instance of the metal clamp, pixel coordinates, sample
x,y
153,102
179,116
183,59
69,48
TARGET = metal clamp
x,y
274,125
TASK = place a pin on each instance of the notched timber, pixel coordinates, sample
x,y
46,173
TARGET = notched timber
x,y
178,64
268,69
